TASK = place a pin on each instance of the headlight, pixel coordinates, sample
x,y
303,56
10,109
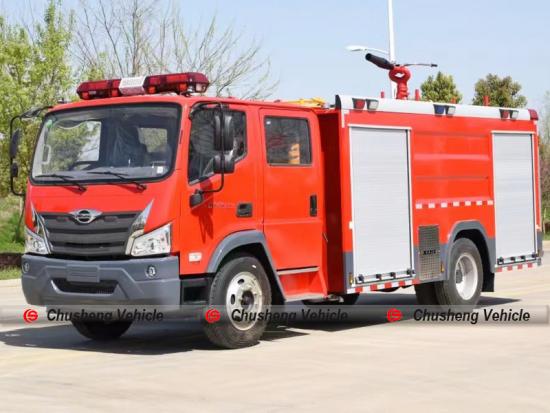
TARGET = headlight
x,y
153,243
34,243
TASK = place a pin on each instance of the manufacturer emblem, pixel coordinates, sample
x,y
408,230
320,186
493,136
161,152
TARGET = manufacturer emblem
x,y
85,216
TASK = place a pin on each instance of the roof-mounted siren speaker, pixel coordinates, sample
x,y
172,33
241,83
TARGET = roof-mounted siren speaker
x,y
509,114
440,109
362,104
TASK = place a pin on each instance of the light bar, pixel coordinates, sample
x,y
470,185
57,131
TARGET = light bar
x,y
99,89
180,83
190,82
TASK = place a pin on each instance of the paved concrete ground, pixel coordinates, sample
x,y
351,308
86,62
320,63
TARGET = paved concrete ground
x,y
377,367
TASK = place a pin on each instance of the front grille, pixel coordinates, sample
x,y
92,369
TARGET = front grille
x,y
103,287
106,236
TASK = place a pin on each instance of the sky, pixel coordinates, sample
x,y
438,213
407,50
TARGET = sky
x,y
305,40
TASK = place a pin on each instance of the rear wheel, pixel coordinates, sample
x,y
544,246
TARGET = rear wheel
x,y
100,330
464,281
241,285
463,286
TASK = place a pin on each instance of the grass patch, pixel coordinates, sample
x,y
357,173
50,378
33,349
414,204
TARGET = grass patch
x,y
11,232
10,273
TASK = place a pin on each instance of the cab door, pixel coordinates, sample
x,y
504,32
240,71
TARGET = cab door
x,y
292,190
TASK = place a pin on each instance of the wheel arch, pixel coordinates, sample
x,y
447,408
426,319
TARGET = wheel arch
x,y
252,242
475,232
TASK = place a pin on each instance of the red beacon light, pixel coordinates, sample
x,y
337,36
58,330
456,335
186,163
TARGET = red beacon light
x,y
99,89
185,83
180,83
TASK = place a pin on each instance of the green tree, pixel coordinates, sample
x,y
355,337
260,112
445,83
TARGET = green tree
x,y
440,88
34,71
544,156
502,92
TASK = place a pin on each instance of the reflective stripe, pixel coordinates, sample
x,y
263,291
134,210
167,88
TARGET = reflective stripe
x,y
383,286
516,267
445,204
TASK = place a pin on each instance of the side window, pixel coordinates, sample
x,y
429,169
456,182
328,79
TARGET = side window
x,y
201,143
287,141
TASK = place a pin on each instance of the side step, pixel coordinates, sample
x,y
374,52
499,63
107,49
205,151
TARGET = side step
x,y
383,286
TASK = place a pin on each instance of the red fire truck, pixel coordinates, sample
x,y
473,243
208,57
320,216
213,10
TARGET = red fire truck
x,y
147,192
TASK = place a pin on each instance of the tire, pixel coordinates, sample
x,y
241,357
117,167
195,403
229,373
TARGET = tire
x,y
425,294
241,283
101,331
350,299
465,276
347,299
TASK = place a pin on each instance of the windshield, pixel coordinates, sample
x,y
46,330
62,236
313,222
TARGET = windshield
x,y
107,143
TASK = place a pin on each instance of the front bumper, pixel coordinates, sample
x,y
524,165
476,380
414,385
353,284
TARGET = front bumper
x,y
51,281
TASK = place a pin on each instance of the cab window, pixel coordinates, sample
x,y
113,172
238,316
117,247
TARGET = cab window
x,y
287,141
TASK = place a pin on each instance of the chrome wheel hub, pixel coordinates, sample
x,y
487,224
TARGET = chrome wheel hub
x,y
466,276
244,300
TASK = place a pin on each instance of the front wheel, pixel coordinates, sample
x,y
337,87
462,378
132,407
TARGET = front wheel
x,y
240,292
100,330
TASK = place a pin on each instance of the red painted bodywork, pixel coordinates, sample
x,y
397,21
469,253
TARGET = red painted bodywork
x,y
451,159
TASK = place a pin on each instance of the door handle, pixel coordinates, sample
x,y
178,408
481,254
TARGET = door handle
x,y
313,205
244,210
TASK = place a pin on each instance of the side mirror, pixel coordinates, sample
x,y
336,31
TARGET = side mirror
x,y
196,199
14,173
14,170
217,120
228,132
224,131
228,166
14,143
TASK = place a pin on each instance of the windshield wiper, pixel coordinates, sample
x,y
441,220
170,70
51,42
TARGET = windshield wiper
x,y
124,177
64,179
